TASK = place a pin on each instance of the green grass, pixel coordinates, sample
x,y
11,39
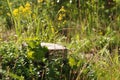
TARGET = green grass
x,y
90,33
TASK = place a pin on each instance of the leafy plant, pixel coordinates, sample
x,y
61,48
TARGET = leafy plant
x,y
18,61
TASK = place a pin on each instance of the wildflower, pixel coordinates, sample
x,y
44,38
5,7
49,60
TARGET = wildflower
x,y
62,9
15,12
30,54
21,8
60,17
62,13
25,10
27,4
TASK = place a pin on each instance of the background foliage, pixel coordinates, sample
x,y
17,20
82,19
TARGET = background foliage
x,y
90,30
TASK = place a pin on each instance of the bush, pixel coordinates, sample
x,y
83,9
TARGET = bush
x,y
19,60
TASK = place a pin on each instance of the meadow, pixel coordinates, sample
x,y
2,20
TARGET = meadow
x,y
90,30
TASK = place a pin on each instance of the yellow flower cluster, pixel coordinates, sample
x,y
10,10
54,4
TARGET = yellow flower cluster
x,y
24,11
62,13
61,16
62,9
15,12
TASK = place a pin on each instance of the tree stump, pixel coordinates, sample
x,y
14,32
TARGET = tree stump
x,y
55,50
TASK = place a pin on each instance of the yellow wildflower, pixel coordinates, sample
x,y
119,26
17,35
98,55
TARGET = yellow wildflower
x,y
60,17
15,12
27,8
26,11
30,54
62,9
27,4
62,13
21,8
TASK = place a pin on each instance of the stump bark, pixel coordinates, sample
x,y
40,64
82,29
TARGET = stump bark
x,y
55,50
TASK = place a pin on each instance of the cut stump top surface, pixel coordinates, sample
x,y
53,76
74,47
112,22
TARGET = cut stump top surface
x,y
53,46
